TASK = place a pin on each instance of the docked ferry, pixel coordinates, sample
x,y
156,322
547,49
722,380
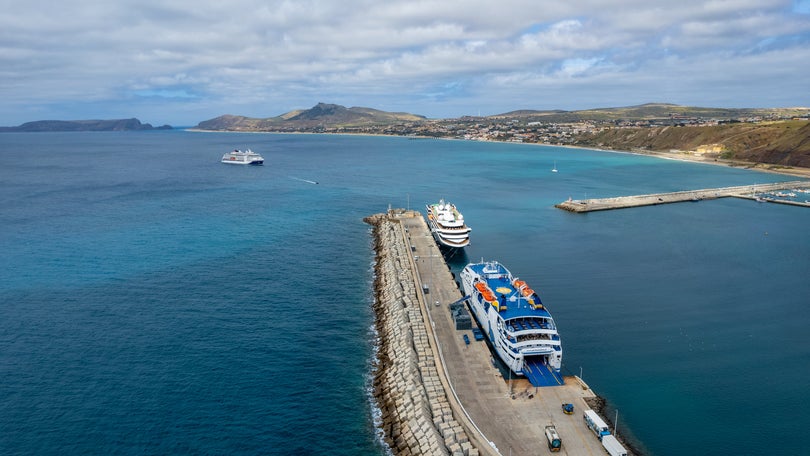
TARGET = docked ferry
x,y
447,225
516,322
246,157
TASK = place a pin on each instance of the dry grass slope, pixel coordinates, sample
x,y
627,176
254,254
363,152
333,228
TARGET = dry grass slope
x,y
780,143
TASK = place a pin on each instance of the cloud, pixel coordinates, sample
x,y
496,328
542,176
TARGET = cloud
x,y
87,58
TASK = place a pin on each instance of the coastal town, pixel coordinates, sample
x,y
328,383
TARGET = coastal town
x,y
526,127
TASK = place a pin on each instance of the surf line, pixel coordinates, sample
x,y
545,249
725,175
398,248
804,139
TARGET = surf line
x,y
305,180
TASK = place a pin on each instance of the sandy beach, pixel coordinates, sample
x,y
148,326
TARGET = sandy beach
x,y
684,156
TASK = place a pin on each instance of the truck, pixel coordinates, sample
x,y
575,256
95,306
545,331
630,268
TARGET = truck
x,y
554,441
613,447
595,424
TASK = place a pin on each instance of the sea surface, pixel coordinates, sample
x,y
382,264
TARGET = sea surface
x,y
156,301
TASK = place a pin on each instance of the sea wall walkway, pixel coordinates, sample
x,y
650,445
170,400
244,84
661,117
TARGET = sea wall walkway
x,y
620,202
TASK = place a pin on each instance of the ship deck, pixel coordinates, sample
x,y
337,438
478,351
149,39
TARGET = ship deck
x,y
517,306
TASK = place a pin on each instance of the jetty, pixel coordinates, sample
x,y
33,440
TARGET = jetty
x,y
439,390
752,192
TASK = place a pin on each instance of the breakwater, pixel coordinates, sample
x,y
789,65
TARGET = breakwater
x,y
620,202
416,416
441,394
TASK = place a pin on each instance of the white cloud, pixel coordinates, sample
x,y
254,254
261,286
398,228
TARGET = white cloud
x,y
91,58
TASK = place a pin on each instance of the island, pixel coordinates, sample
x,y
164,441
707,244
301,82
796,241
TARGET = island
x,y
84,125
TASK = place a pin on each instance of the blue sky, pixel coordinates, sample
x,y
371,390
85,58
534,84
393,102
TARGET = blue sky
x,y
182,62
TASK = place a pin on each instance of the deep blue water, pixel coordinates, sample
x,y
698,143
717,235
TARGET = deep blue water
x,y
155,301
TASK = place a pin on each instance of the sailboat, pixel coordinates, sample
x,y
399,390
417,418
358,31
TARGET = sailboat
x,y
554,169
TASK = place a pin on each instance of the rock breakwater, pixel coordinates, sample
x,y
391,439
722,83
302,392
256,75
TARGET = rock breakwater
x,y
416,416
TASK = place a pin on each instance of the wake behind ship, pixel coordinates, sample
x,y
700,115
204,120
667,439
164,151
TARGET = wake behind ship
x,y
447,225
520,328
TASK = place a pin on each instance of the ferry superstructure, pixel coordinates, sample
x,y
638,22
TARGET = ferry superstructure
x,y
240,157
447,225
516,322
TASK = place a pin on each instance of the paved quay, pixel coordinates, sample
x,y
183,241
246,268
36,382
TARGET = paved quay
x,y
621,202
469,407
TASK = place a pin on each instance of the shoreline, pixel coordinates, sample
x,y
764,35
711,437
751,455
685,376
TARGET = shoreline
x,y
677,156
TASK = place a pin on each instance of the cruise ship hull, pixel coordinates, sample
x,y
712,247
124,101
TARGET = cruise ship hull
x,y
517,324
236,162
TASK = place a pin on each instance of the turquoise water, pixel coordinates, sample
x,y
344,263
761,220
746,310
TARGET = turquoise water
x,y
154,301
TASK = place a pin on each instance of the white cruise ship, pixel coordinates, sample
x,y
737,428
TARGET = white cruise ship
x,y
515,321
239,157
447,225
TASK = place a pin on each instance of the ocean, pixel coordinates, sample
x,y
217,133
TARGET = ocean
x,y
156,301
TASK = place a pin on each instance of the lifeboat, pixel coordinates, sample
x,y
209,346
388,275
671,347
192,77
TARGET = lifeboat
x,y
485,291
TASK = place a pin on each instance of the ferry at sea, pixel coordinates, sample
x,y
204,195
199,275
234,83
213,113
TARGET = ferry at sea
x,y
246,157
515,321
447,225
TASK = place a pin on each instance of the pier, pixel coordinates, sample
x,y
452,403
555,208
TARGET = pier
x,y
745,191
439,394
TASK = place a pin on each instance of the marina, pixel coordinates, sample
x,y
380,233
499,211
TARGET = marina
x,y
761,192
497,414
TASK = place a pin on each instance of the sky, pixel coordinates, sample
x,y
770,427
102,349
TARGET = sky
x,y
180,62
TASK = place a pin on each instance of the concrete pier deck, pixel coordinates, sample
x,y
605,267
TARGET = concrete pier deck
x,y
500,416
745,191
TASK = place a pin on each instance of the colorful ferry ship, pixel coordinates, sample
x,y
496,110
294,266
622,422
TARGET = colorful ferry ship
x,y
516,322
447,225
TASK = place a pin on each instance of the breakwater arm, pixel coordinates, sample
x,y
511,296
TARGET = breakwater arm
x,y
417,417
437,393
620,202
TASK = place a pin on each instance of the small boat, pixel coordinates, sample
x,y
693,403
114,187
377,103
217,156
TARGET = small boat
x,y
239,157
554,169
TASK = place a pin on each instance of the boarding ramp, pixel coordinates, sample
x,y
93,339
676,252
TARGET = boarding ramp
x,y
539,374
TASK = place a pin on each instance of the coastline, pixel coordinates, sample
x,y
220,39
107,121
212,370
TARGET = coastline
x,y
686,157
677,156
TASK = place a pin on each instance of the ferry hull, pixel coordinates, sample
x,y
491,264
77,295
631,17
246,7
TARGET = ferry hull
x,y
520,329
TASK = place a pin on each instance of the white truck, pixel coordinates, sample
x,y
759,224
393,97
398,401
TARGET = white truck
x,y
595,423
613,447
554,441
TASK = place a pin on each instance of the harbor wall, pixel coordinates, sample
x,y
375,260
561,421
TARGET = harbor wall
x,y
621,202
416,417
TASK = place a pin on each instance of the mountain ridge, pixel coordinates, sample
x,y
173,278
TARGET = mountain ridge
x,y
320,115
